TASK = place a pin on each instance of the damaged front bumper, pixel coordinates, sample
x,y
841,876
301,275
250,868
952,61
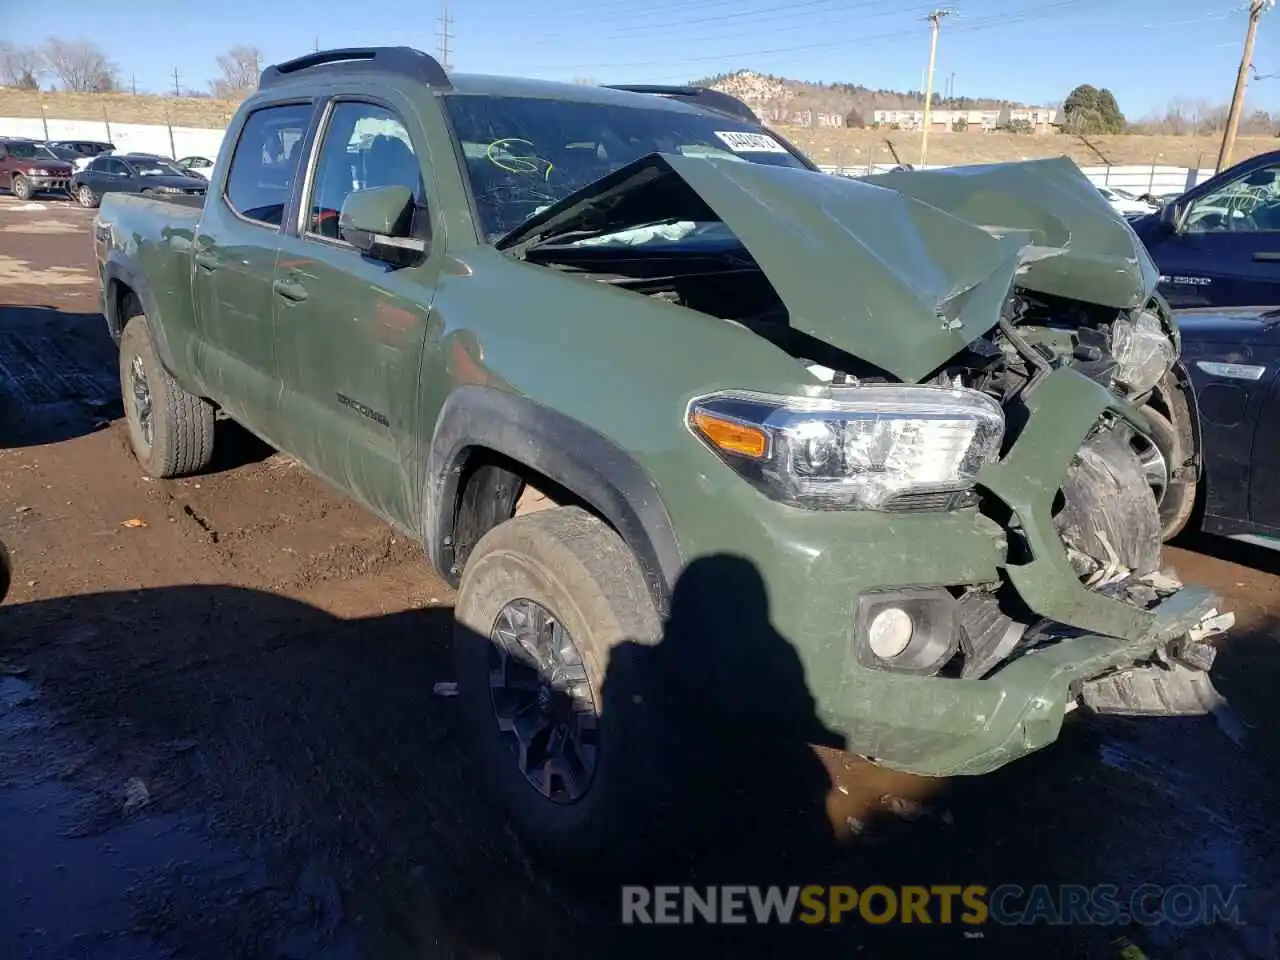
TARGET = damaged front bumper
x,y
1021,707
1110,655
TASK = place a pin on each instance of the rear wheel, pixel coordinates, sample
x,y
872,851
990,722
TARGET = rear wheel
x,y
170,430
550,602
22,187
86,197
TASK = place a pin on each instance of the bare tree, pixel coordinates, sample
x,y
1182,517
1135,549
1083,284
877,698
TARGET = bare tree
x,y
20,66
80,65
241,65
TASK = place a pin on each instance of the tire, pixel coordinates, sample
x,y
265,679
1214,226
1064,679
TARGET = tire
x,y
1176,440
1180,496
582,573
86,197
181,425
22,188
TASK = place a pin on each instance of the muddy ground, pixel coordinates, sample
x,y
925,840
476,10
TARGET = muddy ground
x,y
219,736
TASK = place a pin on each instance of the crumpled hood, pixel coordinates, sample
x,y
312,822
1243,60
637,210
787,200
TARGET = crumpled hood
x,y
901,270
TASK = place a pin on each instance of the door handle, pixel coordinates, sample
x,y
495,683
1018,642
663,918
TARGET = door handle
x,y
205,259
294,292
1271,255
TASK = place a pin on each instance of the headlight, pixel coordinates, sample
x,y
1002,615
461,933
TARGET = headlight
x,y
1143,352
860,448
168,189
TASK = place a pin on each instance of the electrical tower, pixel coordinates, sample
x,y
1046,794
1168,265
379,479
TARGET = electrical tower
x,y
934,19
444,37
1256,9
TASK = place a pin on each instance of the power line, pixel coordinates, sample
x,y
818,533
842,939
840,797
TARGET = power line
x,y
839,20
760,15
1013,16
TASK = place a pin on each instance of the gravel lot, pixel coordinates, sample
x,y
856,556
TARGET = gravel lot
x,y
219,737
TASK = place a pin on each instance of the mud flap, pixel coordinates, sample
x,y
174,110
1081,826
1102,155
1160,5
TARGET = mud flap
x,y
1174,683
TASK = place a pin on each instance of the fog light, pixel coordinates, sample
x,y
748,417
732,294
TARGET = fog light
x,y
907,631
890,632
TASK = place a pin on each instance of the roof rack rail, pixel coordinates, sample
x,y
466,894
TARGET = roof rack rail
x,y
403,61
706,97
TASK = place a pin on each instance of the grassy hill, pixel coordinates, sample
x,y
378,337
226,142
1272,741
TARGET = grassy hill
x,y
828,146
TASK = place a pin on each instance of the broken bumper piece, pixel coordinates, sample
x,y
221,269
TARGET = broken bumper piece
x,y
961,727
1175,683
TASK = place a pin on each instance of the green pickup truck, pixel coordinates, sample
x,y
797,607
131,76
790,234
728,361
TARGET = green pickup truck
x,y
674,409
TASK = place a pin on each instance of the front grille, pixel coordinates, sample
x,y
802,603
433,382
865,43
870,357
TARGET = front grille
x,y
931,501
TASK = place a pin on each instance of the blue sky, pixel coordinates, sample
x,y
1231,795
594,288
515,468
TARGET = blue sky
x,y
1147,51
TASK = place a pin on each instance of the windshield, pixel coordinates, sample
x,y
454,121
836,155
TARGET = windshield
x,y
156,168
31,151
524,153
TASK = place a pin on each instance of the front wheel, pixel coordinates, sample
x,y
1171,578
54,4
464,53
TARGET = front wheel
x,y
22,188
553,647
170,430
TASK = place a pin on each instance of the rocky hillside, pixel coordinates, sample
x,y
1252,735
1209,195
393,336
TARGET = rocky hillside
x,y
780,100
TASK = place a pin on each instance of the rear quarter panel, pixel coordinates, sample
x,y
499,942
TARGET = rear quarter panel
x,y
143,246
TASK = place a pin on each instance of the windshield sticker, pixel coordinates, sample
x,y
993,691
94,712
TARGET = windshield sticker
x,y
740,142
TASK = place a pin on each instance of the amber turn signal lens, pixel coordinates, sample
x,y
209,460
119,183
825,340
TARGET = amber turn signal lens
x,y
732,437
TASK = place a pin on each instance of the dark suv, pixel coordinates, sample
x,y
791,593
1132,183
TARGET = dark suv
x,y
76,149
28,168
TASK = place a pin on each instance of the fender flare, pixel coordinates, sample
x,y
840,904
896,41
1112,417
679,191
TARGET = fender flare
x,y
1182,383
117,271
566,451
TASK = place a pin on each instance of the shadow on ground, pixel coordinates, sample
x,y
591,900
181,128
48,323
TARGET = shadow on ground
x,y
59,380
1264,559
318,798
58,377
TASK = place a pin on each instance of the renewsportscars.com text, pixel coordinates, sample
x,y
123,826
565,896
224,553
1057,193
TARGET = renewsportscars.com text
x,y
972,905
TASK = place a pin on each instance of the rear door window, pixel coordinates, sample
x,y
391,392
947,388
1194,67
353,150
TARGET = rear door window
x,y
266,161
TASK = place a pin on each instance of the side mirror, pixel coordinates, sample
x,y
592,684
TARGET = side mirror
x,y
1171,215
378,221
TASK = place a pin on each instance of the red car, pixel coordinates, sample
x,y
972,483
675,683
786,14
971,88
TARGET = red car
x,y
28,167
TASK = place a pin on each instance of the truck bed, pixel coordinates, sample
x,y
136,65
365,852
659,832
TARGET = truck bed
x,y
136,236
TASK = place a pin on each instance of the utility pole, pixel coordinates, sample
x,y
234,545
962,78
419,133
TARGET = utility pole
x,y
315,44
445,36
1256,9
177,90
133,83
934,19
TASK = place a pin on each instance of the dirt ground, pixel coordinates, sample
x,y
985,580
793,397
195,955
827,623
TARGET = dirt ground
x,y
845,147
220,736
